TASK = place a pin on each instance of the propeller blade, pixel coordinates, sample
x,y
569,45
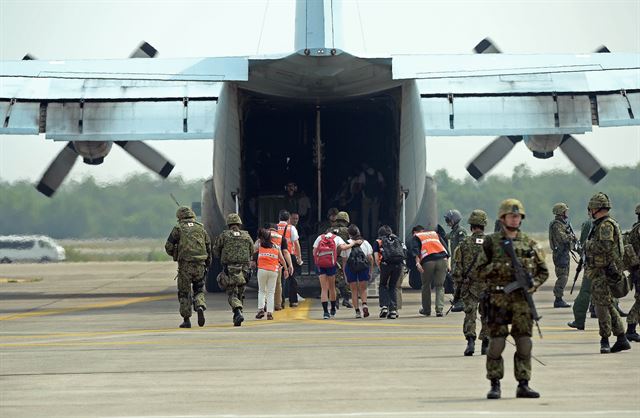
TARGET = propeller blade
x,y
602,50
144,50
582,159
28,57
149,157
491,155
486,46
58,170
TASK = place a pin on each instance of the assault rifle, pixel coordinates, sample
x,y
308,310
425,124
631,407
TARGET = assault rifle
x,y
578,270
522,281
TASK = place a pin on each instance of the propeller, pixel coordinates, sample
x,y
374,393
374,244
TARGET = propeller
x,y
94,152
582,159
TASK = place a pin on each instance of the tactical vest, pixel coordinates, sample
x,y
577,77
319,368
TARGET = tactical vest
x,y
192,245
236,247
429,243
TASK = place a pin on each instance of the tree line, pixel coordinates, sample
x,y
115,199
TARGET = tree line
x,y
140,206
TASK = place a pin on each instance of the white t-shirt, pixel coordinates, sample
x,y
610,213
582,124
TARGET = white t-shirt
x,y
294,233
339,241
367,249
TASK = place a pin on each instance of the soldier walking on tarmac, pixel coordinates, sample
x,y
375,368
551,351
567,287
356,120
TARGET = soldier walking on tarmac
x,y
603,255
562,240
341,229
498,270
634,314
468,286
454,238
234,248
190,246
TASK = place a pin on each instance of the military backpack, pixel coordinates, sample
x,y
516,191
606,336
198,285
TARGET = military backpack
x,y
236,248
192,245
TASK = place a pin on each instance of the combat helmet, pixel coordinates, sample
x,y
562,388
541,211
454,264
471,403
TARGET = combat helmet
x,y
478,217
185,212
343,216
560,208
233,219
511,206
453,216
599,201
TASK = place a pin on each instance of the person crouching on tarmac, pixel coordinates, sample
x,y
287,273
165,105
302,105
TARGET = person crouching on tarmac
x,y
269,261
468,286
234,248
325,255
190,246
496,271
358,263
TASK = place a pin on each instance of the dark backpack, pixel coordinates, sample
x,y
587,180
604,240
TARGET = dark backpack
x,y
393,251
357,260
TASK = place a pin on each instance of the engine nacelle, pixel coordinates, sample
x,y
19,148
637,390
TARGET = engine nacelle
x,y
542,146
92,152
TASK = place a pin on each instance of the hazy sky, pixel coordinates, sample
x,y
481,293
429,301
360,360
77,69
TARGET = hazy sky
x,y
112,29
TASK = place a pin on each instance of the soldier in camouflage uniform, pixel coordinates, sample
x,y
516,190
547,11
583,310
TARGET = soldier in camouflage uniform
x,y
603,259
341,229
190,246
502,309
454,238
562,240
234,248
633,238
468,287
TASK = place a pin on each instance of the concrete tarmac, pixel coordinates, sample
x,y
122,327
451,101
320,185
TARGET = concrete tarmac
x,y
102,340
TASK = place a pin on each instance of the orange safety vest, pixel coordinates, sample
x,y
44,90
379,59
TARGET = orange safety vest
x,y
268,258
430,243
276,239
290,247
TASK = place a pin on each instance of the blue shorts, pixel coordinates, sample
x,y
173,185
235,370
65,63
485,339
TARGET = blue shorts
x,y
330,271
361,276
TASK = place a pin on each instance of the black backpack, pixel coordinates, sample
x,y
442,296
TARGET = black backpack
x,y
393,251
357,260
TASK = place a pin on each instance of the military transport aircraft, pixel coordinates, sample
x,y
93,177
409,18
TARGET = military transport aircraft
x,y
325,103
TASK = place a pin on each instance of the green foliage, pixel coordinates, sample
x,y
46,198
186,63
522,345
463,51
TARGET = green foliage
x,y
139,206
539,192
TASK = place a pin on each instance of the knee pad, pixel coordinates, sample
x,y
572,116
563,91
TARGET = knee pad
x,y
496,347
524,347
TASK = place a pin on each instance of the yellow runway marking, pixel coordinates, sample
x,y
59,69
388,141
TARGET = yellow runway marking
x,y
122,302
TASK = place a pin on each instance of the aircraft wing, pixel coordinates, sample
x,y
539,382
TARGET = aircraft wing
x,y
503,94
125,100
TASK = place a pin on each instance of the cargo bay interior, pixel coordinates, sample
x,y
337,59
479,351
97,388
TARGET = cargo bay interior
x,y
279,146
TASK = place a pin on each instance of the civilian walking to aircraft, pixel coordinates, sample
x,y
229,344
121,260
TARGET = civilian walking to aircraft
x,y
358,263
269,260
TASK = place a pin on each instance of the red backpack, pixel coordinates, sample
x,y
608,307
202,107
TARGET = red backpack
x,y
325,254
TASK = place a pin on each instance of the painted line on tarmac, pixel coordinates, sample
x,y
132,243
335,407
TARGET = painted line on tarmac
x,y
59,311
300,313
394,414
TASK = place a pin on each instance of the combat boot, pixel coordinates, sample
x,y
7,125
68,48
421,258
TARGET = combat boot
x,y
471,345
632,335
621,344
186,323
604,345
485,346
524,391
200,312
574,324
237,317
494,392
560,303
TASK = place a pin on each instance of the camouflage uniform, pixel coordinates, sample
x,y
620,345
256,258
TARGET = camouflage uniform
x,y
561,240
455,237
190,246
466,281
234,248
341,230
633,238
496,271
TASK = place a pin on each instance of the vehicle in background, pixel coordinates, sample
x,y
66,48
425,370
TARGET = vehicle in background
x,y
38,248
